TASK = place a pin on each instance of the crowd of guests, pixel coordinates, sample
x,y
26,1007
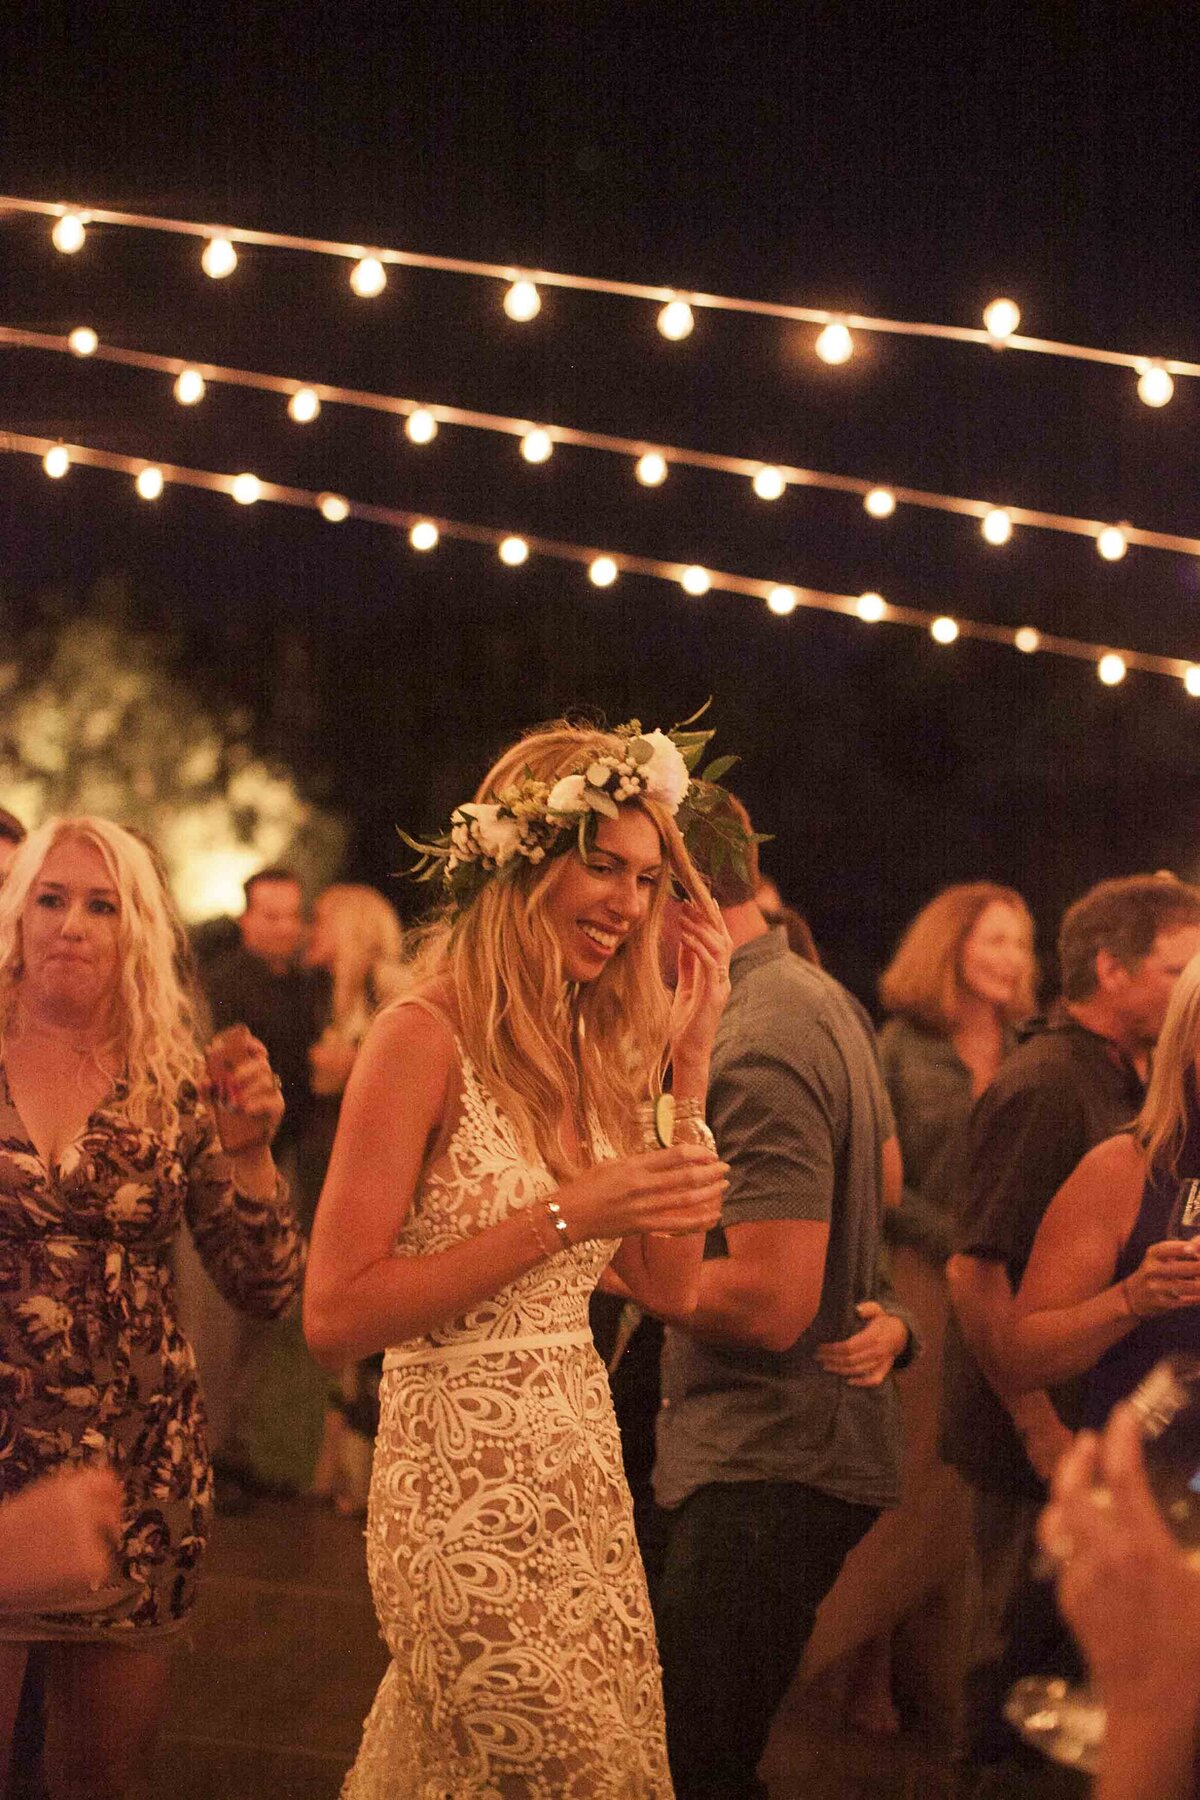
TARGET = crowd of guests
x,y
873,1304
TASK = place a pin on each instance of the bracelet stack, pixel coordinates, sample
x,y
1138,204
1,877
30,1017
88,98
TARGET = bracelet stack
x,y
547,1215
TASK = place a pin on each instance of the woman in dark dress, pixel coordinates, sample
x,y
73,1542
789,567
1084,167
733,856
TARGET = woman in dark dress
x,y
107,1145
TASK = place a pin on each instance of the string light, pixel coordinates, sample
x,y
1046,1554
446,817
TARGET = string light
x,y
425,533
676,320
782,601
421,427
651,469
1155,385
1112,669
56,462
522,302
69,233
880,502
537,446
1112,543
304,405
368,277
695,581
769,483
997,526
246,489
149,482
189,387
83,341
1000,319
944,630
835,345
602,572
334,507
218,258
513,552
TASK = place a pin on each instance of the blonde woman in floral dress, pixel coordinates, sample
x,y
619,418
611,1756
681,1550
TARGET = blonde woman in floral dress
x,y
107,1145
489,1164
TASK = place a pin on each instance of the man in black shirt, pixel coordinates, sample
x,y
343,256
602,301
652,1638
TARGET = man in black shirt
x,y
1076,1079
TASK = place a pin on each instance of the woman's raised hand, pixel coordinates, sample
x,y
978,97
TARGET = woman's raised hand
x,y
702,986
676,1190
1167,1278
244,1089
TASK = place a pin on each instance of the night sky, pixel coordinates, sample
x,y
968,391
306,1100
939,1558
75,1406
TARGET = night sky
x,y
904,162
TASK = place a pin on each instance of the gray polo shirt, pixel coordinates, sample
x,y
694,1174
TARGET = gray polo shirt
x,y
799,1110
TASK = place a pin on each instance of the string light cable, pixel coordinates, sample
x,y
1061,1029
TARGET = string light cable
x,y
369,266
604,567
652,461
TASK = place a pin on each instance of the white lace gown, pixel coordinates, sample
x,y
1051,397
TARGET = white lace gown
x,y
500,1541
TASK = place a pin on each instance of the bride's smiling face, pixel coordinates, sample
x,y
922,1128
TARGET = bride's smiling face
x,y
601,898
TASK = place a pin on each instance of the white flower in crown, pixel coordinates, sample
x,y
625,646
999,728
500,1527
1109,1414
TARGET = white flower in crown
x,y
489,833
566,796
665,774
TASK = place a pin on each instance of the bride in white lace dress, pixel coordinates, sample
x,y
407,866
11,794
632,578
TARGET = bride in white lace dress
x,y
488,1167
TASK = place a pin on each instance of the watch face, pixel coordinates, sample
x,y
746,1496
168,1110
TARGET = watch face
x,y
664,1120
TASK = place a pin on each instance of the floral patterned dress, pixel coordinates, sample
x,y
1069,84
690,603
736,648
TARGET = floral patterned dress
x,y
500,1540
93,1366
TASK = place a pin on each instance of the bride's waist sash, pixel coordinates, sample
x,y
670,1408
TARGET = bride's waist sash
x,y
464,1350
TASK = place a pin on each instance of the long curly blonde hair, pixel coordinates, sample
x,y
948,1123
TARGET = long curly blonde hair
x,y
545,1049
153,1014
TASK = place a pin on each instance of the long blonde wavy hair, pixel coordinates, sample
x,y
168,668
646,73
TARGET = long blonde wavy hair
x,y
152,1010
544,1049
1161,1126
367,943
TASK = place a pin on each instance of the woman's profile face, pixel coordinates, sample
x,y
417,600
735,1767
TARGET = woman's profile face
x,y
996,954
70,929
600,900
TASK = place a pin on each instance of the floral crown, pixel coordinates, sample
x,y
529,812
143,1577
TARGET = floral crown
x,y
531,819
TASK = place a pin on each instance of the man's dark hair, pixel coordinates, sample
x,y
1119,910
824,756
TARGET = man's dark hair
x,y
723,844
277,873
11,828
1123,917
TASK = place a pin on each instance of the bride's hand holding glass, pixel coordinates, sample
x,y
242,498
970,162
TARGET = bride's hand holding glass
x,y
677,1191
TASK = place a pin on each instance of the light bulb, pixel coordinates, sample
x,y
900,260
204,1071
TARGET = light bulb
x,y
424,535
83,341
522,302
769,483
651,469
368,277
537,446
149,482
782,601
1001,318
513,551
189,387
676,320
68,233
246,489
943,630
218,258
56,462
1191,680
880,503
304,405
602,572
997,526
695,581
421,427
835,345
1155,385
1111,669
1028,640
870,608
334,507
1112,543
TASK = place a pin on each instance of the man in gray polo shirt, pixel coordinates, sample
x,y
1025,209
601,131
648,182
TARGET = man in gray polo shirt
x,y
778,1437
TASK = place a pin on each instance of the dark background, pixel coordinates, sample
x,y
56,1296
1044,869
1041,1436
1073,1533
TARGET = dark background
x,y
904,162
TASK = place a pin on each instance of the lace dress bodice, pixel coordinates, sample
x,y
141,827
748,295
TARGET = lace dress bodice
x,y
500,1540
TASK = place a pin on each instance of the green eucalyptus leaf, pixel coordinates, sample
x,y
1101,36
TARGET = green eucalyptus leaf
x,y
639,751
717,769
600,802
